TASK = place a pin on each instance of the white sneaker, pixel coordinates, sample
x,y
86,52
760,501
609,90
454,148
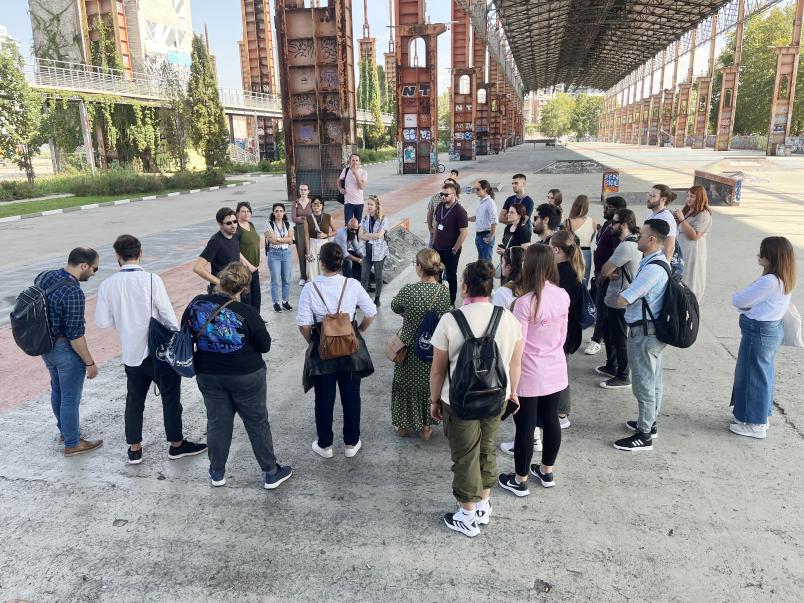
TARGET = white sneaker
x,y
508,447
302,282
350,451
564,422
322,452
751,430
593,348
462,522
483,513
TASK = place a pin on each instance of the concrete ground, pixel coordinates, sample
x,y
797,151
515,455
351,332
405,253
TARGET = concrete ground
x,y
706,516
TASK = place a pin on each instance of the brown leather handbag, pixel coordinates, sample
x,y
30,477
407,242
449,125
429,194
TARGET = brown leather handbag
x,y
338,336
396,350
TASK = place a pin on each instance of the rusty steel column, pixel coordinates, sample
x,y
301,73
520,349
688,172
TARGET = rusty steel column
x,y
316,74
729,85
495,137
659,102
482,95
705,95
464,84
684,90
390,58
626,129
784,87
640,118
417,87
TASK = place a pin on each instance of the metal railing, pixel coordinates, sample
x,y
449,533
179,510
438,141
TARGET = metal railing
x,y
89,79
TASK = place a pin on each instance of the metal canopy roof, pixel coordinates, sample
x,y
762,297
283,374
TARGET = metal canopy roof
x,y
593,42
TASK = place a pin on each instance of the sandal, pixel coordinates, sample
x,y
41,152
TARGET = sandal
x,y
401,431
426,432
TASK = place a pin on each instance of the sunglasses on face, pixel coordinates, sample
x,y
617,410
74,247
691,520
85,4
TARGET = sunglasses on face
x,y
616,222
95,268
229,223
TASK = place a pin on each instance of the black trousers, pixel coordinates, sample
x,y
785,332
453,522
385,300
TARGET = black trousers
x,y
598,293
349,385
254,294
138,380
544,410
450,261
617,341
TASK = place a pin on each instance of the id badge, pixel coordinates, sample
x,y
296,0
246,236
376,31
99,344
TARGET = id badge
x,y
440,227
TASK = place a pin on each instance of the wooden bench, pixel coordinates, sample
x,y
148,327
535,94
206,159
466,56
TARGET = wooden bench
x,y
724,188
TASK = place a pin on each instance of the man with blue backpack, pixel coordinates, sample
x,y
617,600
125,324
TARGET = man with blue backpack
x,y
48,321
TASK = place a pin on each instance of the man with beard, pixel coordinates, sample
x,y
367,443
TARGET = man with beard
x,y
346,238
606,243
546,221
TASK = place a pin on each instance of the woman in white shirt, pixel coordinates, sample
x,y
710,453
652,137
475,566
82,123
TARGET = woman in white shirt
x,y
372,231
511,270
332,293
584,227
762,306
278,239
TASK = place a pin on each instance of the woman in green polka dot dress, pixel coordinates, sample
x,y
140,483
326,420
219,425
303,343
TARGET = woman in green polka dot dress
x,y
410,395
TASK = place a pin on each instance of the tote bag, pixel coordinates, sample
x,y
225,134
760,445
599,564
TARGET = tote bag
x,y
791,323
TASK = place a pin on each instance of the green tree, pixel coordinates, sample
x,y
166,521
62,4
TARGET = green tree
x,y
208,131
556,114
383,88
174,115
585,114
367,88
20,113
757,73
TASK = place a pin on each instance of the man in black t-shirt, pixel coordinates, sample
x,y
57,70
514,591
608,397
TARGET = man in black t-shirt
x,y
222,249
519,196
452,226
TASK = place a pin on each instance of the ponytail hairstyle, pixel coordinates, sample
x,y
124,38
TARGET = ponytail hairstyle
x,y
666,193
515,258
486,187
565,241
539,268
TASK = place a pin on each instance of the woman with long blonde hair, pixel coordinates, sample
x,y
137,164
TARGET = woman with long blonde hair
x,y
372,231
762,305
542,314
694,223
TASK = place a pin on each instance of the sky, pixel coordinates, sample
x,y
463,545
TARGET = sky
x,y
224,21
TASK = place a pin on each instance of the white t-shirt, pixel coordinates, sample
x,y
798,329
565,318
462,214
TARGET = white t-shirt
x,y
447,336
503,297
668,217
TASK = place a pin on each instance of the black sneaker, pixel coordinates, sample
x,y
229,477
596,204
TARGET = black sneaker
x,y
134,456
615,383
606,370
287,306
277,308
186,448
377,301
508,481
632,425
545,478
635,443
275,479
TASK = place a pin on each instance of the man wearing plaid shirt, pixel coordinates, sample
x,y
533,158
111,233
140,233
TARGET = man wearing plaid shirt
x,y
69,362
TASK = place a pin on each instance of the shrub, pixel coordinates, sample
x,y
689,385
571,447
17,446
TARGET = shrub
x,y
12,190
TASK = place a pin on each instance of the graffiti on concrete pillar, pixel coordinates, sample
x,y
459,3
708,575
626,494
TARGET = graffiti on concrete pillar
x,y
328,50
303,105
300,49
329,78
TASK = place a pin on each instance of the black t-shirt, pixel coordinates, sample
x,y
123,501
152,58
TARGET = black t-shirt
x,y
568,280
233,343
526,201
449,222
517,238
221,251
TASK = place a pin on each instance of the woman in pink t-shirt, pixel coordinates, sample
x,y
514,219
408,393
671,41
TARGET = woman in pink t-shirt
x,y
542,313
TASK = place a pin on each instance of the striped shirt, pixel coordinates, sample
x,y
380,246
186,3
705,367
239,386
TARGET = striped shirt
x,y
486,214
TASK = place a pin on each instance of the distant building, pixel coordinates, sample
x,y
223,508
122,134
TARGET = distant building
x,y
7,39
258,70
147,33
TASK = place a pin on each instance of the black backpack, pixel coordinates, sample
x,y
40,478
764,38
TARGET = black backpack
x,y
677,323
478,383
29,324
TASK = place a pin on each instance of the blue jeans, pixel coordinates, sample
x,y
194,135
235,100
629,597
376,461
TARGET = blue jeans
x,y
484,250
67,373
752,393
280,263
351,210
645,358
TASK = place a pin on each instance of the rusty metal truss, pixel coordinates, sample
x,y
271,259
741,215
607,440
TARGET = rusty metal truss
x,y
597,43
